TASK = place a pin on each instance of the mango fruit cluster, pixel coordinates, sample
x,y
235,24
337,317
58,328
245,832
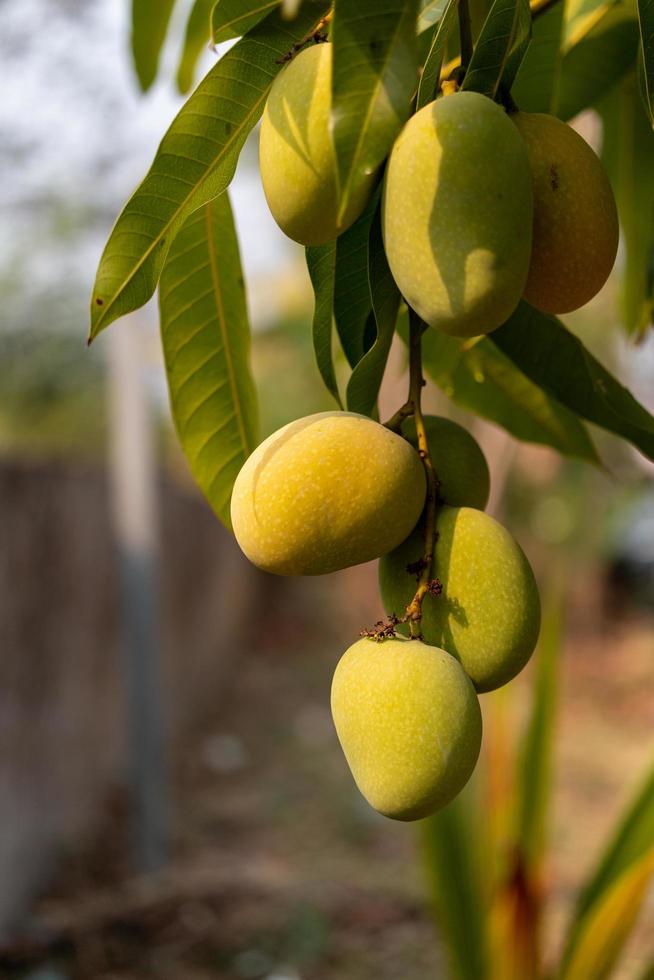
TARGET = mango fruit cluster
x,y
480,209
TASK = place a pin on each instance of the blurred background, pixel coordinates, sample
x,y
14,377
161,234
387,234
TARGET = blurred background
x,y
173,800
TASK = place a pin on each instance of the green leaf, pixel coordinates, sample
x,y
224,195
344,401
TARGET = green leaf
x,y
483,380
149,28
631,842
536,84
646,24
500,48
558,362
429,80
206,342
628,155
373,79
611,40
600,941
321,263
453,858
365,381
196,39
352,299
236,18
195,162
535,755
430,13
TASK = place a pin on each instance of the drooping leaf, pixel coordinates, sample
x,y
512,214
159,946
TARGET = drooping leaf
x,y
373,80
196,38
206,342
552,357
453,858
235,18
430,12
631,843
604,933
536,84
149,28
195,162
429,79
500,48
628,155
352,299
646,24
366,378
321,263
483,380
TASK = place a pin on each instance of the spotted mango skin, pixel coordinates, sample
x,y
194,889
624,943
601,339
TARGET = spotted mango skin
x,y
325,492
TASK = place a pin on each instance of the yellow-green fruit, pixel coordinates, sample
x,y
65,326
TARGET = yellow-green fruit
x,y
324,492
457,214
575,217
296,153
409,723
488,615
464,480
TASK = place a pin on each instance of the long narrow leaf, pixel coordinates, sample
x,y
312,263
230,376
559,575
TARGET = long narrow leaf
x,y
501,45
429,79
536,85
373,79
150,20
430,13
206,341
321,263
646,24
352,299
235,18
196,38
556,360
195,162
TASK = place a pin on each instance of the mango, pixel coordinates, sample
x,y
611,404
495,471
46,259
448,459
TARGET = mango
x,y
296,153
409,723
488,615
457,214
325,492
460,465
575,238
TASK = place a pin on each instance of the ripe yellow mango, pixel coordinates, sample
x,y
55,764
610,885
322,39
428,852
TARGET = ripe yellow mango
x,y
460,465
409,723
457,214
296,153
575,238
488,615
325,492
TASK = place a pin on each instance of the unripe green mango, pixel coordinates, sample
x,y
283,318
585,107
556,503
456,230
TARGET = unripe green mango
x,y
325,492
409,723
460,465
457,214
296,153
488,615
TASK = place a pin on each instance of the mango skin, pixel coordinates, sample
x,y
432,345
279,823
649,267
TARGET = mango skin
x,y
576,232
296,153
325,492
457,214
461,467
488,615
409,723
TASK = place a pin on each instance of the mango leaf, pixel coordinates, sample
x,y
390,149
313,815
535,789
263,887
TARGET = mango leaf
x,y
628,155
429,80
648,972
553,358
206,342
365,380
535,754
609,924
483,380
373,79
452,852
195,162
149,28
235,18
500,48
321,263
632,842
536,84
196,38
612,40
430,12
646,24
352,299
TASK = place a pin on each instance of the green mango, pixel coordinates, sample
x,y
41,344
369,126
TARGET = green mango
x,y
460,465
